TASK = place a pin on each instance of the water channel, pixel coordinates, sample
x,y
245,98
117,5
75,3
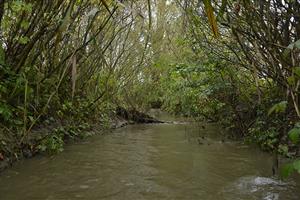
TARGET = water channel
x,y
153,161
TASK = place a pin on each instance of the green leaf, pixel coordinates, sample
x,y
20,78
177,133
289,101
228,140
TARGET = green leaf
x,y
31,118
5,111
296,165
283,149
3,89
294,135
294,45
278,108
25,24
27,7
287,170
17,6
291,80
23,40
297,71
297,125
18,122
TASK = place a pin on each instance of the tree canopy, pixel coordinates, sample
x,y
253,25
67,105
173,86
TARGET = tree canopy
x,y
73,62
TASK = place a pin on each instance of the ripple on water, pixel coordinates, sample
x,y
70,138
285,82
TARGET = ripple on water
x,y
255,187
161,161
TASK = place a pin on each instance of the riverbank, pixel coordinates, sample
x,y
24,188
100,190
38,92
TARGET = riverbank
x,y
50,138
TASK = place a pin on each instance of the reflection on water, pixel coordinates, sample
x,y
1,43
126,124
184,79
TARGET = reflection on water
x,y
159,161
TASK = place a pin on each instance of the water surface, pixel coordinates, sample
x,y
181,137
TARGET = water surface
x,y
158,161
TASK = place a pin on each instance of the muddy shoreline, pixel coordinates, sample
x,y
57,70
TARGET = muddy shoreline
x,y
122,119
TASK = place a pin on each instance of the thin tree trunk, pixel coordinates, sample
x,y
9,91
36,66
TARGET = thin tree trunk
x,y
1,10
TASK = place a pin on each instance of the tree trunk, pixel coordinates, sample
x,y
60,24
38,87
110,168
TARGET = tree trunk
x,y
1,10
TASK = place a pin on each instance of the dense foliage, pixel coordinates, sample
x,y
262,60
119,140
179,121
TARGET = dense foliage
x,y
65,63
244,71
69,64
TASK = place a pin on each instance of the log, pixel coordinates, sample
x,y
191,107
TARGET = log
x,y
136,116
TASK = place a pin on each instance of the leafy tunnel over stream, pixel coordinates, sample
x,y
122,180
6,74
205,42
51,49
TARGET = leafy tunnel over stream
x,y
71,69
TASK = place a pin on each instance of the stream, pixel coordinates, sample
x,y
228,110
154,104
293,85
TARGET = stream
x,y
150,161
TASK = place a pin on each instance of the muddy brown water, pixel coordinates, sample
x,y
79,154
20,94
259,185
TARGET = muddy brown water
x,y
157,161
